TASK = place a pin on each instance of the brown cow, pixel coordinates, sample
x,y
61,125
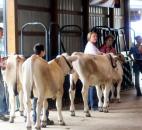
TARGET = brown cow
x,y
46,79
93,70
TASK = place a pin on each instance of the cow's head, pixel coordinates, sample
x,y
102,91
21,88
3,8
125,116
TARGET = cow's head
x,y
120,57
113,59
65,61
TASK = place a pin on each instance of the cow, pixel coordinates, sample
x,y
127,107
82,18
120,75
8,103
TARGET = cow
x,y
11,72
117,78
93,70
46,80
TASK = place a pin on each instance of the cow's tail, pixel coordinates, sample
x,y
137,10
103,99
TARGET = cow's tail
x,y
15,89
31,78
28,77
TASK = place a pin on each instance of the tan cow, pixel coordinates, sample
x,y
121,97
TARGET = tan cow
x,y
92,70
46,79
117,78
11,72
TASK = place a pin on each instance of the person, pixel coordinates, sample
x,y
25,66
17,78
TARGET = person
x,y
91,48
3,103
40,51
107,46
136,56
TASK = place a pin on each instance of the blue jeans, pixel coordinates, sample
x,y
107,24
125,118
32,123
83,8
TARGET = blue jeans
x,y
92,98
3,102
34,110
137,69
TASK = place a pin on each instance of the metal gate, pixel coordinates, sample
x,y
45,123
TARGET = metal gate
x,y
102,32
47,46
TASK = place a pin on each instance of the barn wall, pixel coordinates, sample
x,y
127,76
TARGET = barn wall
x,y
31,11
69,12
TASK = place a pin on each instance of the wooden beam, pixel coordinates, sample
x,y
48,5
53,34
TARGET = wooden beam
x,y
111,17
85,7
31,33
33,8
127,20
11,26
70,12
54,28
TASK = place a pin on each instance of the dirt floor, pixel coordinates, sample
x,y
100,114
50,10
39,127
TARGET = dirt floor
x,y
126,115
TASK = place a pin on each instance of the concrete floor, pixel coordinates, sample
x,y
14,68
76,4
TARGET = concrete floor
x,y
126,115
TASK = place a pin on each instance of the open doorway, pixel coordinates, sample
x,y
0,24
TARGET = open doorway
x,y
136,17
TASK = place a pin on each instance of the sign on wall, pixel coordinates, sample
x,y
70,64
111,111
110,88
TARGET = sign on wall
x,y
106,3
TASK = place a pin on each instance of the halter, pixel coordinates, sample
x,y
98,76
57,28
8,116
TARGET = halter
x,y
70,66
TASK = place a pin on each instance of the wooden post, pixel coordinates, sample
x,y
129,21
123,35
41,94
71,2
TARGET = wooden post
x,y
126,20
85,6
54,28
111,18
12,26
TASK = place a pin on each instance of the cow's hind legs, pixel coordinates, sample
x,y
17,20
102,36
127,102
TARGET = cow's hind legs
x,y
106,97
85,99
12,103
72,96
99,94
44,118
38,111
21,109
59,107
73,80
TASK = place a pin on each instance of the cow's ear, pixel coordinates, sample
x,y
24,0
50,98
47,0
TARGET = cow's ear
x,y
72,58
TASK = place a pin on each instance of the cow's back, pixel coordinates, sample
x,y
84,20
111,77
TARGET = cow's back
x,y
12,72
93,68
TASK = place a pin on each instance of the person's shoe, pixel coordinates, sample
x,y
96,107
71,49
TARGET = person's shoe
x,y
139,94
50,122
4,118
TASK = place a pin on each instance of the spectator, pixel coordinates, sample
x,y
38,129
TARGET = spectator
x,y
39,50
107,46
92,49
3,103
136,56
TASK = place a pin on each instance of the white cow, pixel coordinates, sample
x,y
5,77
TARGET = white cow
x,y
11,71
92,70
46,79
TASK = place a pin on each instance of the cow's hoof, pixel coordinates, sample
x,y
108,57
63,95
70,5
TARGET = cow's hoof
x,y
21,113
105,110
87,114
43,124
61,122
72,113
100,109
112,100
11,120
118,101
28,127
37,127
